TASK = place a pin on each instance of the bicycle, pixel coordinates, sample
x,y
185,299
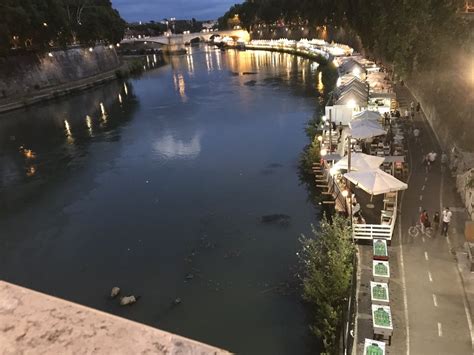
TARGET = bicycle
x,y
415,230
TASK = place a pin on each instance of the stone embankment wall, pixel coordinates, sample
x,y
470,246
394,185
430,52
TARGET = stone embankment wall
x,y
23,75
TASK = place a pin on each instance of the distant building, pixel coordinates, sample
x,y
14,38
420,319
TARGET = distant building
x,y
209,24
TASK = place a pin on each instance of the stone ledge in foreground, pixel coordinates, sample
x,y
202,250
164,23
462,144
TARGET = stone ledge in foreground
x,y
35,323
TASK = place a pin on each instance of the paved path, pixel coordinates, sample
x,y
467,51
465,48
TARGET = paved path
x,y
437,310
430,308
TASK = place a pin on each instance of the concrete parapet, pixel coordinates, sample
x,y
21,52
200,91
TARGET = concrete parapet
x,y
35,323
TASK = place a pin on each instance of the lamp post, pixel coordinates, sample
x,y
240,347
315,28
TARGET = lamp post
x,y
330,131
349,153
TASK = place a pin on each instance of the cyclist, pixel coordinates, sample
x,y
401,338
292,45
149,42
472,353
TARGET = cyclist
x,y
424,221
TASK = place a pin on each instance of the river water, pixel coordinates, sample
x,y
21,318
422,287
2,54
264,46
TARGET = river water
x,y
158,186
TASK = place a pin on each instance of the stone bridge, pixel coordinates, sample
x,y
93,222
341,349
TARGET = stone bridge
x,y
177,41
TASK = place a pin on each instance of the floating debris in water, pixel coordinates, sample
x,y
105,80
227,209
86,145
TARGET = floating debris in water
x,y
115,291
277,218
129,300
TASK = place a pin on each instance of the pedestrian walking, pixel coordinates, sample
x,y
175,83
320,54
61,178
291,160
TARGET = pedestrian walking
x,y
426,162
436,221
416,134
432,157
418,107
447,214
424,221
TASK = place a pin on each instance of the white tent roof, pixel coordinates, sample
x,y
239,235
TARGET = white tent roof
x,y
364,132
360,162
365,123
375,182
367,115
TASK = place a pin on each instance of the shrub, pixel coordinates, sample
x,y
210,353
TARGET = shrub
x,y
327,259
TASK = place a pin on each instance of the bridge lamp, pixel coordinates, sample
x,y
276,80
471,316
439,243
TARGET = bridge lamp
x,y
45,24
91,49
320,139
118,44
324,152
50,54
111,46
145,42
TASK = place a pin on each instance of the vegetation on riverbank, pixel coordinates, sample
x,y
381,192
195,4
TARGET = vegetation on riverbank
x,y
38,25
327,258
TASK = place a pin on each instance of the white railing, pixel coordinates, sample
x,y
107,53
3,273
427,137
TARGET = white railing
x,y
371,231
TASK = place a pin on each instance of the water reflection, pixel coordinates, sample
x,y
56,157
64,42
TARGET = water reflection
x,y
62,142
171,147
180,86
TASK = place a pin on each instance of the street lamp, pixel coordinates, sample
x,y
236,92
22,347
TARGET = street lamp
x,y
324,152
320,139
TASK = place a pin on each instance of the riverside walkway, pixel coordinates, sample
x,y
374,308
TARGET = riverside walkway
x,y
430,293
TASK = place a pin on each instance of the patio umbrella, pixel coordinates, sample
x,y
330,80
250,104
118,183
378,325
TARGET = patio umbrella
x,y
367,115
365,131
360,162
375,182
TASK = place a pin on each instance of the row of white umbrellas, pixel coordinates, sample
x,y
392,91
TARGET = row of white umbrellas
x,y
365,172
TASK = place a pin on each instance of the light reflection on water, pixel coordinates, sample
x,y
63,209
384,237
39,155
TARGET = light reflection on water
x,y
168,180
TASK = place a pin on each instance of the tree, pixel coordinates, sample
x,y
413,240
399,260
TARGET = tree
x,y
327,259
37,24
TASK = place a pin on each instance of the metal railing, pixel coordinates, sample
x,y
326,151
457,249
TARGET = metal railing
x,y
371,231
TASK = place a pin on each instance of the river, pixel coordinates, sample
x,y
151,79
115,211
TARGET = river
x,y
158,186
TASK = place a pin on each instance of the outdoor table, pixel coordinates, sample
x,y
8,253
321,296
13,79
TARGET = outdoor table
x,y
373,347
379,293
380,271
380,249
382,322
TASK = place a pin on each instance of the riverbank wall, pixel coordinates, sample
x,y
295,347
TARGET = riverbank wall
x,y
24,75
37,323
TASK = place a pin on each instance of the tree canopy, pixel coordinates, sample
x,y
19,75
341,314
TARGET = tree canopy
x,y
407,33
41,24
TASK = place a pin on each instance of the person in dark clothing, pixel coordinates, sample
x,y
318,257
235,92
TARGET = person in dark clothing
x,y
436,221
418,107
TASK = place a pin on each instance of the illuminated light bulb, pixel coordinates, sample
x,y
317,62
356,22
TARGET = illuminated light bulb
x,y
91,49
324,152
50,54
351,103
120,98
320,138
88,122
67,127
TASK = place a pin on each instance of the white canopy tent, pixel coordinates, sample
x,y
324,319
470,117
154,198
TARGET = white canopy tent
x,y
367,115
365,132
375,182
365,123
359,162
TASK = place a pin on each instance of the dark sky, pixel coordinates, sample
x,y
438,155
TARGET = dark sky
x,y
145,10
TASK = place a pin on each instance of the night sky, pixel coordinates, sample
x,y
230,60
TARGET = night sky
x,y
146,10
